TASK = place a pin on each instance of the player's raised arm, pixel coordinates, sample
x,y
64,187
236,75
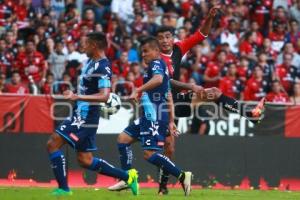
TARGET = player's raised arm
x,y
201,34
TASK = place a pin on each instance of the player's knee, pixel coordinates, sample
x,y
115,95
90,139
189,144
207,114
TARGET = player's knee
x,y
84,161
124,138
148,154
51,144
169,149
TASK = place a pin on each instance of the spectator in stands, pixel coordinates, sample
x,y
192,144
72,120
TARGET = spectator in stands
x,y
138,78
212,75
2,82
277,35
132,52
248,47
231,36
6,58
277,95
16,86
243,69
289,49
266,66
47,87
294,33
123,10
230,85
256,86
295,11
121,66
259,37
11,41
267,48
31,62
57,61
287,73
138,27
295,98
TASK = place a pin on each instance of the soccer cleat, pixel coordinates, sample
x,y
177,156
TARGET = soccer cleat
x,y
119,186
133,181
163,182
163,190
258,111
61,192
186,182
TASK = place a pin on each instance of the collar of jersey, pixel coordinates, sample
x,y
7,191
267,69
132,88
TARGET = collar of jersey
x,y
167,54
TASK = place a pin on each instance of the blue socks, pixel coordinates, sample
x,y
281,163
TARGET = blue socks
x,y
125,156
58,165
165,163
103,167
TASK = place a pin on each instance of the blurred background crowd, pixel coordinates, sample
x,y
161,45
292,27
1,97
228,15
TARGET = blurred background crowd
x,y
252,51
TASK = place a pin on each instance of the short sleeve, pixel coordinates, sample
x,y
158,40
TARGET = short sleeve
x,y
156,68
104,80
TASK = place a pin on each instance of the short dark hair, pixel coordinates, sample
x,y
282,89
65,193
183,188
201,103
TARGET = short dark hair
x,y
163,29
99,38
151,41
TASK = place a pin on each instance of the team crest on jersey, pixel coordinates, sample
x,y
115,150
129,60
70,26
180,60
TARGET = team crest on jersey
x,y
155,67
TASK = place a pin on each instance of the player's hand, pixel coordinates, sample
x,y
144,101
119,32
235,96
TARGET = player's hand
x,y
197,89
134,95
173,129
68,94
214,10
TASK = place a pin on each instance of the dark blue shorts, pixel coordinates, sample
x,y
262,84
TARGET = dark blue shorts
x,y
79,133
151,134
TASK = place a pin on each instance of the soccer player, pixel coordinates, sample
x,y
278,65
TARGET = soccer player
x,y
172,54
79,130
157,116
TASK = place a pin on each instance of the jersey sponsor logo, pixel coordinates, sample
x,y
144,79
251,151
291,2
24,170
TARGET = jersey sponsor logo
x,y
160,143
74,137
144,133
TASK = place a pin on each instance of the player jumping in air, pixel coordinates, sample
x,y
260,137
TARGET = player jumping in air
x,y
79,130
157,116
172,54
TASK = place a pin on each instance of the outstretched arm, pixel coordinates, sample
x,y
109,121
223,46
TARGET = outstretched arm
x,y
205,29
186,86
102,96
155,81
199,35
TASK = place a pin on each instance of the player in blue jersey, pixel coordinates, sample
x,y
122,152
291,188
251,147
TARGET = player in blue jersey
x,y
79,130
156,118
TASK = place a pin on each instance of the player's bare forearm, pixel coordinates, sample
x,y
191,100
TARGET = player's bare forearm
x,y
180,85
102,96
205,29
171,107
155,81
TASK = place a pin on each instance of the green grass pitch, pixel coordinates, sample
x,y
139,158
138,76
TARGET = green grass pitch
x,y
146,194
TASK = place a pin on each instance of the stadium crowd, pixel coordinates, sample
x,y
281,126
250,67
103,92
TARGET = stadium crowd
x,y
252,51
